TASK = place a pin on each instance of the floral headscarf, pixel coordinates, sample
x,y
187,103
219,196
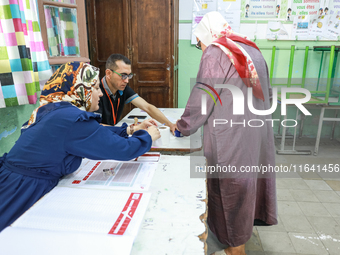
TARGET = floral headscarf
x,y
214,29
73,82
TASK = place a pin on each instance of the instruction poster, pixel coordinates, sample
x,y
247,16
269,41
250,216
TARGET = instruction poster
x,y
262,9
318,26
312,7
301,27
332,7
227,5
333,27
230,10
305,7
200,8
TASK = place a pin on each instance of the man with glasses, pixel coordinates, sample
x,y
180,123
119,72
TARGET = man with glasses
x,y
117,93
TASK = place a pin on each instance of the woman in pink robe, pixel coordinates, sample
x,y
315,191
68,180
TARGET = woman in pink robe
x,y
241,141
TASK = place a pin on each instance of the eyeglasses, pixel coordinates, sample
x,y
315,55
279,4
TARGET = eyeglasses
x,y
123,75
198,45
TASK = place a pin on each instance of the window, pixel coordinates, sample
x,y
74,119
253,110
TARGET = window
x,y
63,29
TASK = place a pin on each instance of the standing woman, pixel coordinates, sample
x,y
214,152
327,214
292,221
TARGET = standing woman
x,y
58,135
236,200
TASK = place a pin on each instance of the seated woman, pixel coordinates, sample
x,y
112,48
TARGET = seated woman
x,y
59,134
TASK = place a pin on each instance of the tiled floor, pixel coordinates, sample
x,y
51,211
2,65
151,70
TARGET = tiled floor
x,y
308,206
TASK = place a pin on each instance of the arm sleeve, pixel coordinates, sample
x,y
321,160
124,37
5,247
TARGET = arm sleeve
x,y
130,94
121,131
91,140
210,73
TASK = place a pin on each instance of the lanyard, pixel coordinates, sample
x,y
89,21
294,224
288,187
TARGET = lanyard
x,y
113,110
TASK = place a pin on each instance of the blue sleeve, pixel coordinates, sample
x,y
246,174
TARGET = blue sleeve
x,y
91,140
121,131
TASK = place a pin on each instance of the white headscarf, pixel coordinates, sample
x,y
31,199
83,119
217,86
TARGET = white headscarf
x,y
214,27
211,27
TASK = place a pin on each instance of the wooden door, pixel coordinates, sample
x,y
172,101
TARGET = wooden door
x,y
108,30
142,30
152,50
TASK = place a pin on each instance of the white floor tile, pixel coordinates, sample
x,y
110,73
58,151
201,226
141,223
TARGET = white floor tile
x,y
333,208
276,242
291,184
327,196
305,243
284,195
332,244
304,196
289,208
313,209
317,185
295,223
325,225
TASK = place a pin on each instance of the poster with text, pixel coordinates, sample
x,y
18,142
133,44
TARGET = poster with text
x,y
200,8
331,7
305,7
333,27
300,28
233,18
262,9
227,5
318,26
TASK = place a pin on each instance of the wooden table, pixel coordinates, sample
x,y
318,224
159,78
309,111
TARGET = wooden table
x,y
177,144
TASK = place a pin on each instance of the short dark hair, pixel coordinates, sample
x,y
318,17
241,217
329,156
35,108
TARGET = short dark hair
x,y
247,5
326,9
111,61
289,9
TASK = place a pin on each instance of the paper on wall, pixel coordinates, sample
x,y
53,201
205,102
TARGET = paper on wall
x,y
333,27
300,29
276,30
233,18
318,25
228,5
200,8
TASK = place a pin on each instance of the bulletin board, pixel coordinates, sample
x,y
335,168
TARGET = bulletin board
x,y
305,19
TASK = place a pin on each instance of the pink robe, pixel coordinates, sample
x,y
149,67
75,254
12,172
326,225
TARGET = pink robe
x,y
235,200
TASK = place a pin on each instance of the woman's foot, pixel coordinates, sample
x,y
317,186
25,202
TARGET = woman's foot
x,y
239,250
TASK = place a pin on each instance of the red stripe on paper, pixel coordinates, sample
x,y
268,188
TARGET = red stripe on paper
x,y
135,197
92,170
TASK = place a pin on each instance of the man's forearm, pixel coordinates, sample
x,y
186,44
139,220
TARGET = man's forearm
x,y
156,114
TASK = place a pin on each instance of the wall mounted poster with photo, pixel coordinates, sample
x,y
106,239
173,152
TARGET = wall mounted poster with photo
x,y
304,19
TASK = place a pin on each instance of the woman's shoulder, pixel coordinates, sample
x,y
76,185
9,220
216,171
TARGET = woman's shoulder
x,y
213,53
74,114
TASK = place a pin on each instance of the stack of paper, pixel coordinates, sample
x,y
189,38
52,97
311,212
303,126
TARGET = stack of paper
x,y
96,210
94,218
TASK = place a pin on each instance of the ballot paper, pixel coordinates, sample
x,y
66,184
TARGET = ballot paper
x,y
96,221
111,174
149,157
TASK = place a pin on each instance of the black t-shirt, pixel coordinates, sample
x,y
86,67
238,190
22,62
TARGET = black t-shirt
x,y
108,101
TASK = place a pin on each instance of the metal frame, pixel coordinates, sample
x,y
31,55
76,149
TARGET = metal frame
x,y
324,103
